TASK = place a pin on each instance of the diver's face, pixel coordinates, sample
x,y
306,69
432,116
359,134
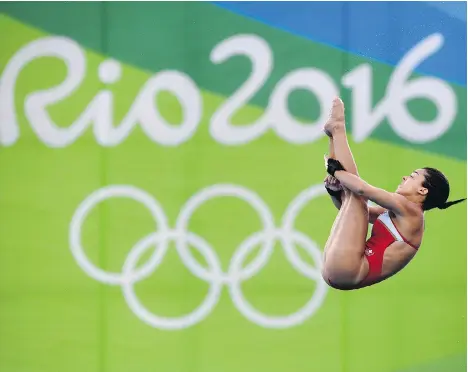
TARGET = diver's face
x,y
413,184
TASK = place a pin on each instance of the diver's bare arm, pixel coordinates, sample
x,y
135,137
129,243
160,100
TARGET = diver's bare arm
x,y
374,211
334,190
336,201
388,200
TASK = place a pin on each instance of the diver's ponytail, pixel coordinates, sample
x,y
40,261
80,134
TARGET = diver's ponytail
x,y
449,204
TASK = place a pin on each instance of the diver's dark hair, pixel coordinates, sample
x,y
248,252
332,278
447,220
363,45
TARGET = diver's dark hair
x,y
438,190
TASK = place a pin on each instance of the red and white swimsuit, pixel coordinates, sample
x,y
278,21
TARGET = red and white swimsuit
x,y
384,233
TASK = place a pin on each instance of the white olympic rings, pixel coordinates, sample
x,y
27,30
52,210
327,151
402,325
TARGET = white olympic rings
x,y
214,275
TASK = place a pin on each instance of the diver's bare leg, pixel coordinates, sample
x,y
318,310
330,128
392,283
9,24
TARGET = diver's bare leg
x,y
331,148
331,154
344,251
335,128
345,264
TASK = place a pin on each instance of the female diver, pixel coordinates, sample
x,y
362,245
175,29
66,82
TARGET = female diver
x,y
351,262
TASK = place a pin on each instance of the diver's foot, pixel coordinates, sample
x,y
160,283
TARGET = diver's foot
x,y
336,120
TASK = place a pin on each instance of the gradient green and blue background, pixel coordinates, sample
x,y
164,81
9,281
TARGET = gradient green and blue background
x,y
53,317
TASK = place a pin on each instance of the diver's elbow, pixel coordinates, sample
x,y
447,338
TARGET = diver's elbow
x,y
362,190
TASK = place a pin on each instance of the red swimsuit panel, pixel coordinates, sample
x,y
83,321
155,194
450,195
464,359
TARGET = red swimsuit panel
x,y
384,233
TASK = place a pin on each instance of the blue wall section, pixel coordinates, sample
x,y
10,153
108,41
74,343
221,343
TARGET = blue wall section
x,y
382,31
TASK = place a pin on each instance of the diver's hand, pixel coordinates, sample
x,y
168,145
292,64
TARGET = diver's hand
x,y
332,183
333,187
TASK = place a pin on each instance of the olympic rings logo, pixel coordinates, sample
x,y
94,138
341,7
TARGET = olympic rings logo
x,y
214,275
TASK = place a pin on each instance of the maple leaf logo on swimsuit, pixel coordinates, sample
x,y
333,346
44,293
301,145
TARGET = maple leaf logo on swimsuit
x,y
369,252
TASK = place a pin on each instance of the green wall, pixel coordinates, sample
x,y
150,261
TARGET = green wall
x,y
214,264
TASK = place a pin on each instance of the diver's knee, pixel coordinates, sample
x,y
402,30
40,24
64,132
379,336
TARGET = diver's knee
x,y
341,274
